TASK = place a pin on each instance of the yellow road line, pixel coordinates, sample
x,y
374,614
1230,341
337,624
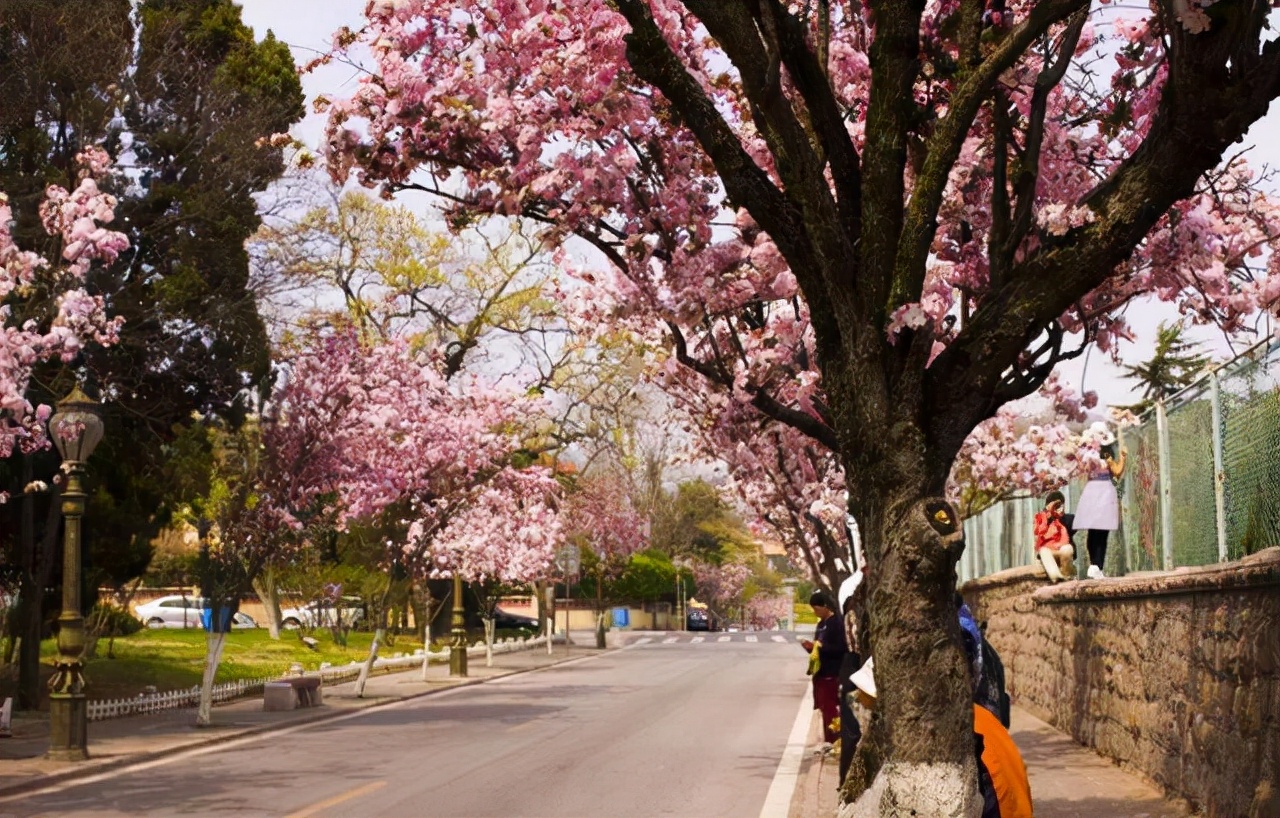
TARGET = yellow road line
x,y
337,799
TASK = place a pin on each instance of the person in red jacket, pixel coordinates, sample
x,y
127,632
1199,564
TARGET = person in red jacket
x,y
1053,538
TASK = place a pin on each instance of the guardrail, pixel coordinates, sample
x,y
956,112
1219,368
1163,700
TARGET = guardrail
x,y
143,703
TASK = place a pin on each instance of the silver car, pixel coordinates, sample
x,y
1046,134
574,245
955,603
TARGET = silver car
x,y
179,611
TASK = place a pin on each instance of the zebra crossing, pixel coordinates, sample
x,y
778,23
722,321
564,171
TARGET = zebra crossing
x,y
713,639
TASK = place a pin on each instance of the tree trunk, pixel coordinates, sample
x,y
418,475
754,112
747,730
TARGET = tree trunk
x,y
488,640
214,642
600,638
917,757
37,568
367,668
268,591
426,652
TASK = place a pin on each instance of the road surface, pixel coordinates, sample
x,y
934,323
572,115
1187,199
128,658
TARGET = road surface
x,y
681,725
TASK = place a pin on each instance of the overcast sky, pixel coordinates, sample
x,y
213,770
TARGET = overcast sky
x,y
307,25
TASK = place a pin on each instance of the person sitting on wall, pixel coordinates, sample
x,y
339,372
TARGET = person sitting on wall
x,y
1053,539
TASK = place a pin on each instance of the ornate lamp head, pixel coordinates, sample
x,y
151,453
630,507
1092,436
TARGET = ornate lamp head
x,y
76,426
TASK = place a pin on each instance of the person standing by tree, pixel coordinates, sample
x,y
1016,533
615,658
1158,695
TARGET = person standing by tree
x,y
829,646
1099,508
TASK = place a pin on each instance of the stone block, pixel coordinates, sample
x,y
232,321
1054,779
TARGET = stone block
x,y
279,696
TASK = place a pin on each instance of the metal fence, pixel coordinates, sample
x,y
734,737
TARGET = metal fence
x,y
100,709
1201,484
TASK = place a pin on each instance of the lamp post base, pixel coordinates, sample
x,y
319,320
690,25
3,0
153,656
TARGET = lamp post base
x,y
458,656
68,727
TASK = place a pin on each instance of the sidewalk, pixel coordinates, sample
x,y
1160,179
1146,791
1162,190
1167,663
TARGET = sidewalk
x,y
1067,779
124,741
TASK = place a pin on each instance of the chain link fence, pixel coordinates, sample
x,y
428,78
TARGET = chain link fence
x,y
1201,483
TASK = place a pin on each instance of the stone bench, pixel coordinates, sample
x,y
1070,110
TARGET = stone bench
x,y
292,692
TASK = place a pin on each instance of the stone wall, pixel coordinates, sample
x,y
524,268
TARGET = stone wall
x,y
1175,676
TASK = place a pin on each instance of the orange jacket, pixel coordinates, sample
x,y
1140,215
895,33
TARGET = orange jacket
x,y
1004,764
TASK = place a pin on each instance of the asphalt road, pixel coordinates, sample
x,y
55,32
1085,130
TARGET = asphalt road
x,y
680,727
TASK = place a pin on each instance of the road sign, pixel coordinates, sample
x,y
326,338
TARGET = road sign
x,y
568,559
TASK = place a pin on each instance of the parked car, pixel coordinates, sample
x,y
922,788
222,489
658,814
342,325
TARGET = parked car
x,y
323,614
700,619
176,611
513,622
179,611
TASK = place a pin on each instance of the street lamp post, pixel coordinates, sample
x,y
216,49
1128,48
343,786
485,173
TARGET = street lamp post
x,y
458,647
681,616
76,428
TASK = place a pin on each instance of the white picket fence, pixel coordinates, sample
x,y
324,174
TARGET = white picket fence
x,y
99,709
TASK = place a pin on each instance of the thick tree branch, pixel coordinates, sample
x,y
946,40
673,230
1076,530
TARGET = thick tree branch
x,y
944,145
895,64
1002,255
754,45
746,183
809,75
764,402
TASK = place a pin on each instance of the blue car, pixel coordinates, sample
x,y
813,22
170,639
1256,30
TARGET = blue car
x,y
700,620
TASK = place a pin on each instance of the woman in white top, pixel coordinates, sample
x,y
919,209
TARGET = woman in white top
x,y
1098,509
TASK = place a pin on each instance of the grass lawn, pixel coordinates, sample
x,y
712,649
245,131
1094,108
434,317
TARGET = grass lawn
x,y
805,615
172,659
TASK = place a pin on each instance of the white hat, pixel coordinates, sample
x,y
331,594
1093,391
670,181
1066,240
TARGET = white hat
x,y
847,588
1104,435
864,678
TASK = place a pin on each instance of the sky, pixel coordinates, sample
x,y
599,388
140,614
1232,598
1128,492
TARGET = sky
x,y
307,26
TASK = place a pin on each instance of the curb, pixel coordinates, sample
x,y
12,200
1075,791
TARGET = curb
x,y
129,760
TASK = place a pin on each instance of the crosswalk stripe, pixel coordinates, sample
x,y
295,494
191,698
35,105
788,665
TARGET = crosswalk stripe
x,y
777,638
646,640
752,639
671,640
696,639
724,638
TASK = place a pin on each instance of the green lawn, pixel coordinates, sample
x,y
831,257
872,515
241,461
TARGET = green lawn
x,y
171,659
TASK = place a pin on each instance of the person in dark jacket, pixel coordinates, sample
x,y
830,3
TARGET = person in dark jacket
x,y
830,646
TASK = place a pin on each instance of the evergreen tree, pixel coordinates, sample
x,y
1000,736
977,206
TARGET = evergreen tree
x,y
1173,366
185,94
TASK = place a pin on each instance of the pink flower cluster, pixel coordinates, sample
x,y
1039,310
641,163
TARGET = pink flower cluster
x,y
601,513
75,219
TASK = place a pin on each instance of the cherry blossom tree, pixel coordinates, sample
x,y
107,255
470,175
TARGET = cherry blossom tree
x,y
600,514
767,611
76,220
364,432
965,193
721,586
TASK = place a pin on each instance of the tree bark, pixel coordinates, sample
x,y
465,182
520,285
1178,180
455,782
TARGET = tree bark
x,y
917,757
37,568
215,641
268,591
488,640
367,667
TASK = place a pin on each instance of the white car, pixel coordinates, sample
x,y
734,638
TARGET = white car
x,y
180,611
321,616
